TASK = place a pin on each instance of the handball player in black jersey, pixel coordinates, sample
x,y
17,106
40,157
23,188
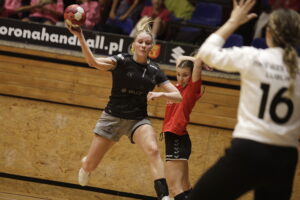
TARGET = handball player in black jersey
x,y
134,77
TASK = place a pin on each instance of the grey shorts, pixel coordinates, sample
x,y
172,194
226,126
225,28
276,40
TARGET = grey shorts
x,y
113,128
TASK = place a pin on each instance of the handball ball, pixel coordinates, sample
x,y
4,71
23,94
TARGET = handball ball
x,y
74,15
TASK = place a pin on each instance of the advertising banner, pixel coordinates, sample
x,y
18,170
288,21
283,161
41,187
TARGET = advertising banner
x,y
99,42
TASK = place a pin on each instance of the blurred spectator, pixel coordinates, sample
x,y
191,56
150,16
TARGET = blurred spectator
x,y
292,4
19,8
1,6
10,7
106,5
182,9
49,13
93,10
160,16
123,9
122,16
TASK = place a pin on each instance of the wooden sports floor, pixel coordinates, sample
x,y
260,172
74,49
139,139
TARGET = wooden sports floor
x,y
11,189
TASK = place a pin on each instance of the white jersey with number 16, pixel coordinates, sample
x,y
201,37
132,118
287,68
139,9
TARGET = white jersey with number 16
x,y
266,112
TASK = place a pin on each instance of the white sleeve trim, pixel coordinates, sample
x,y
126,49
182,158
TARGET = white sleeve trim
x,y
115,60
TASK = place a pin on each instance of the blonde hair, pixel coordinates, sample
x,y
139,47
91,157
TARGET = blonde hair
x,y
144,25
284,25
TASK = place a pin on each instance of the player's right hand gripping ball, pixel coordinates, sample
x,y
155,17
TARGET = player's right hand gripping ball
x,y
74,15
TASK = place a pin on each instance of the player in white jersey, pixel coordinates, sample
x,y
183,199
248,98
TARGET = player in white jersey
x,y
263,152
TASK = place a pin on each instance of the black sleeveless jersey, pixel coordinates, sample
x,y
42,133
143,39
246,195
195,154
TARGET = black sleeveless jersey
x,y
131,83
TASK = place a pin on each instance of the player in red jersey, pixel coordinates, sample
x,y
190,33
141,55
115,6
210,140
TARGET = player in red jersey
x,y
177,116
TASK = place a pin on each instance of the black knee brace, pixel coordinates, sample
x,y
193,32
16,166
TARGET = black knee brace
x,y
161,188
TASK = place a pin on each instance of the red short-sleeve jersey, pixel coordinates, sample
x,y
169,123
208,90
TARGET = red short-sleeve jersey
x,y
177,115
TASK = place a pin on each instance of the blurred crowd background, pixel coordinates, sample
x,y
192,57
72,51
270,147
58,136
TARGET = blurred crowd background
x,y
184,21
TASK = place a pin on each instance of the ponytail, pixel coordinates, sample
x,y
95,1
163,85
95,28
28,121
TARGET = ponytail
x,y
284,27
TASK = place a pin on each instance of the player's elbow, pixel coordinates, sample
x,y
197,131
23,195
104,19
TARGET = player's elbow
x,y
92,63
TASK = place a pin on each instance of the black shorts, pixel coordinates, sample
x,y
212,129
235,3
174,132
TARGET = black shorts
x,y
247,165
177,147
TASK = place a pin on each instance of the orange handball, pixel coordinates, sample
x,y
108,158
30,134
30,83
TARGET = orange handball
x,y
74,15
